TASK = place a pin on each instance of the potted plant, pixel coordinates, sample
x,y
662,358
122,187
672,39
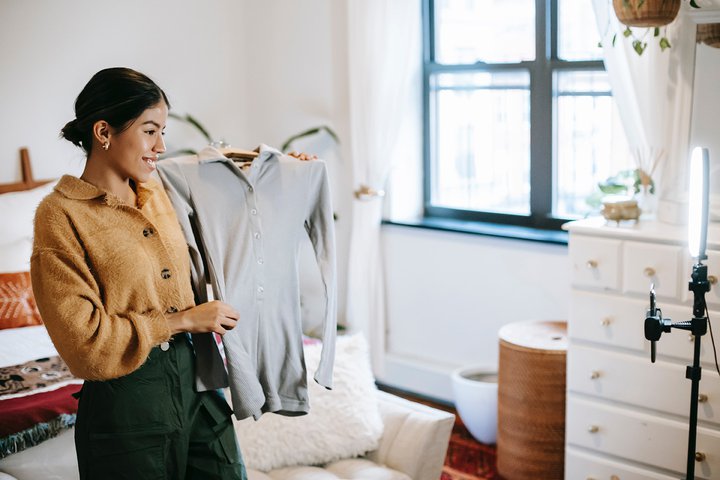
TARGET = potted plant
x,y
648,14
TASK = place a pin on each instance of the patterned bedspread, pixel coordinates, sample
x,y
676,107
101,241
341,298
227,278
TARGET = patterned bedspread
x,y
36,403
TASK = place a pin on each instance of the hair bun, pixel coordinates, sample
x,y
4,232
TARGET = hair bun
x,y
71,132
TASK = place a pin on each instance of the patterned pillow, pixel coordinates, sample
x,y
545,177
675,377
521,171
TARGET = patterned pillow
x,y
17,304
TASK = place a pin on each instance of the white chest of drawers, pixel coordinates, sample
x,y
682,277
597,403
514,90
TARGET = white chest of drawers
x,y
627,419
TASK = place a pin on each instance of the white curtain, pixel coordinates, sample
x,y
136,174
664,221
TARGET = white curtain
x,y
653,92
384,60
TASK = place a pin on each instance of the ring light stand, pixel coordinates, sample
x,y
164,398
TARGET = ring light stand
x,y
656,325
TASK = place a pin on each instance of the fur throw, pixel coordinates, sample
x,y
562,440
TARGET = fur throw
x,y
343,422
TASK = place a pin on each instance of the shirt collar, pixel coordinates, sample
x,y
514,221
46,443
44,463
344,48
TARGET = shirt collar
x,y
78,189
212,154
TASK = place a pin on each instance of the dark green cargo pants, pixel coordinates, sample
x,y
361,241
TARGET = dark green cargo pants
x,y
153,425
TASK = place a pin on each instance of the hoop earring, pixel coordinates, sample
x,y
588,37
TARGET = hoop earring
x,y
106,146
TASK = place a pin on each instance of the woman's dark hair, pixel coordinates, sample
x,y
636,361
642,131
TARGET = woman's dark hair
x,y
117,95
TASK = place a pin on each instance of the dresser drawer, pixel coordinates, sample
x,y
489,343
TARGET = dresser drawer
x,y
713,263
595,262
646,439
584,466
645,264
619,322
627,378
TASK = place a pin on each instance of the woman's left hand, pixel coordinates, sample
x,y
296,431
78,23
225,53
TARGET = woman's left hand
x,y
303,156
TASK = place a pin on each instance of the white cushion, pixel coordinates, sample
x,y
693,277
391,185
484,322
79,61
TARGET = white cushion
x,y
18,210
302,473
15,256
255,475
361,468
352,469
344,422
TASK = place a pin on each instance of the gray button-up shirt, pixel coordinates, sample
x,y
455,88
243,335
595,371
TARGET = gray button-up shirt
x,y
244,228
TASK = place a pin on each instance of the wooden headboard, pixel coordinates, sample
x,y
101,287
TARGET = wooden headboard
x,y
28,182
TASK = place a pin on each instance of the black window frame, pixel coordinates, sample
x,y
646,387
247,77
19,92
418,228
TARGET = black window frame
x,y
542,118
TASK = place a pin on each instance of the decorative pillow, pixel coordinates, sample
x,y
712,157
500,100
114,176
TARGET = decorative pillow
x,y
18,210
343,422
15,257
17,304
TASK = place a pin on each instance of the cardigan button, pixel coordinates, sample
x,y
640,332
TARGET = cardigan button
x,y
165,273
165,346
171,310
148,232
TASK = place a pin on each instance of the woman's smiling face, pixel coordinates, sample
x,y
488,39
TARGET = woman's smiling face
x,y
133,152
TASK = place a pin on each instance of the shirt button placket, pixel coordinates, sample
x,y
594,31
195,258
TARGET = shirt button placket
x,y
255,223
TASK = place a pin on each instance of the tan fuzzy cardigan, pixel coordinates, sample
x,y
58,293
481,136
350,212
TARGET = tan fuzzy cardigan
x,y
105,273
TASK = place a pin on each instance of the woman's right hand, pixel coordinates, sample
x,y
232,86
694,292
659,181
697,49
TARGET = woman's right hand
x,y
214,316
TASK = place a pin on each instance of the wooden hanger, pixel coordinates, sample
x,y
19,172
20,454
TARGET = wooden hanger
x,y
238,154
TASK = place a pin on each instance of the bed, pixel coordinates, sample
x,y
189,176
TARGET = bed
x,y
37,410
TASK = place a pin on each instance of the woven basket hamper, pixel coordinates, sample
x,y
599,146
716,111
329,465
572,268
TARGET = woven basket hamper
x,y
531,400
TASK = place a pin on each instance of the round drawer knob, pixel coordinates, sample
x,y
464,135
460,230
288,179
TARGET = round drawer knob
x,y
699,457
712,279
591,264
702,398
649,272
614,477
595,375
606,321
595,429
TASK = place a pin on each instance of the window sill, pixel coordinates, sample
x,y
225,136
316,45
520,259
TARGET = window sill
x,y
485,229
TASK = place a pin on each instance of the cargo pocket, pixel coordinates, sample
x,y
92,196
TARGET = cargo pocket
x,y
218,414
127,456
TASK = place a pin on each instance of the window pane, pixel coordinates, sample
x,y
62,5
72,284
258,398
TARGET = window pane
x,y
577,31
481,141
491,31
591,145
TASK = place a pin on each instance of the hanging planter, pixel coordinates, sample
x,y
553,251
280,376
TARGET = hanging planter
x,y
709,34
646,13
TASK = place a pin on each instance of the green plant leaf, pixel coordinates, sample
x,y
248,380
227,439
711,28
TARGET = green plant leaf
x,y
664,44
309,132
640,4
656,32
612,189
187,118
693,4
192,121
627,32
626,3
639,46
613,40
177,153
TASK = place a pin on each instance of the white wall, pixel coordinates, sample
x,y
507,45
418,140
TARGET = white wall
x,y
705,130
50,49
450,293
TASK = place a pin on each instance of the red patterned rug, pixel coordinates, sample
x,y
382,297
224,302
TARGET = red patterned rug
x,y
468,459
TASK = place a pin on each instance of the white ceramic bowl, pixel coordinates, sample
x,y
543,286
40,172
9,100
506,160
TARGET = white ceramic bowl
x,y
475,393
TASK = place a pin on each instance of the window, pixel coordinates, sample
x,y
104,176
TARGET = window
x,y
520,125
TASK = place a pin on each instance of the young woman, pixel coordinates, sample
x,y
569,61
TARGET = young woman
x,y
111,276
